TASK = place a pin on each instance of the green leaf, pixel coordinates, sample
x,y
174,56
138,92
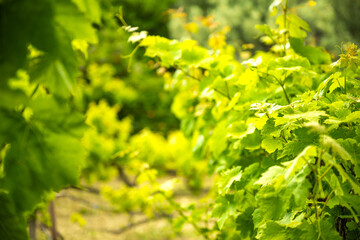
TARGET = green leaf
x,y
57,116
275,231
345,117
244,223
310,116
315,55
56,70
271,144
298,187
310,231
351,201
10,98
327,83
163,48
12,224
353,117
10,126
304,138
296,26
272,205
199,146
270,129
218,141
337,148
337,84
300,161
239,129
54,74
290,63
225,207
265,29
353,181
68,16
270,175
345,176
228,178
252,141
192,55
19,30
36,161
91,8
335,184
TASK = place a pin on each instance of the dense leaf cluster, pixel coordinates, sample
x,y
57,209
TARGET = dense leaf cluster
x,y
280,129
41,128
278,132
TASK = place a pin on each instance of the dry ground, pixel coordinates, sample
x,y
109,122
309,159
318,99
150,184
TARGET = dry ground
x,y
102,223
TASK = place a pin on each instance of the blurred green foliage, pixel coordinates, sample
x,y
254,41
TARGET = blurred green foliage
x,y
150,15
41,127
64,61
332,22
105,73
128,108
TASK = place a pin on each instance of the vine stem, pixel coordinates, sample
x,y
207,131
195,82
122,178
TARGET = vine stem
x,y
30,97
267,115
345,89
326,201
311,167
227,90
139,223
326,171
32,226
120,16
282,84
317,219
53,220
285,12
285,9
317,188
283,88
130,56
180,210
285,93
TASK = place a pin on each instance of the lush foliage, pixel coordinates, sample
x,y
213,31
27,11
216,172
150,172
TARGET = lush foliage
x,y
57,120
142,151
332,22
41,127
280,129
276,135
